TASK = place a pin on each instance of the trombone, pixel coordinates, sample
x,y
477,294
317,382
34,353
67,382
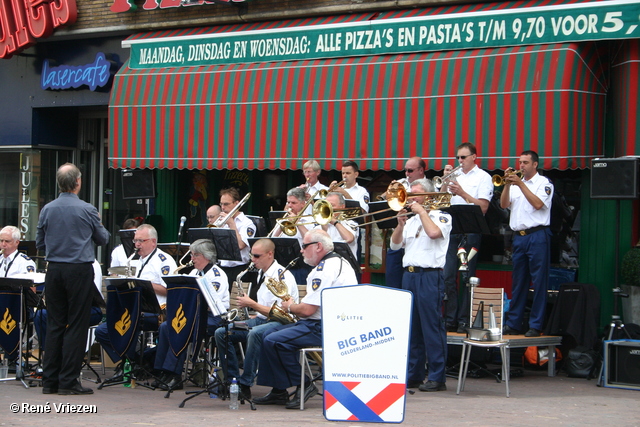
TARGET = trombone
x,y
499,181
323,193
322,213
397,201
221,220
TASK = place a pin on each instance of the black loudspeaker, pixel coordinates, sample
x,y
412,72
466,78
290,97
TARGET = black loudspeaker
x,y
614,178
138,184
622,364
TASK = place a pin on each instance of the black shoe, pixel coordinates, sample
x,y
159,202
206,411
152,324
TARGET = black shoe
x,y
117,374
310,390
175,383
532,333
462,328
273,398
245,392
508,330
49,390
451,328
76,389
433,386
161,380
413,384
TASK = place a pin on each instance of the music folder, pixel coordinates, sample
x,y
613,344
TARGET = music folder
x,y
287,249
351,204
274,216
467,219
210,295
343,249
223,238
126,238
374,210
13,284
174,249
149,302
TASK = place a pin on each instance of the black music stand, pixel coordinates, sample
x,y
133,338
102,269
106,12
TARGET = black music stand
x,y
343,249
467,219
287,249
126,238
274,216
148,304
24,287
174,249
375,209
352,204
223,238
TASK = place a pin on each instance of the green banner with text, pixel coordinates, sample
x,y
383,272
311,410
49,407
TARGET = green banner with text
x,y
510,27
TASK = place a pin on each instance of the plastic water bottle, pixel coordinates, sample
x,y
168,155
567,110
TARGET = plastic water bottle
x,y
233,394
213,391
126,373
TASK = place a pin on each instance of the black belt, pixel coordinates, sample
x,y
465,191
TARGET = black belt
x,y
531,230
412,269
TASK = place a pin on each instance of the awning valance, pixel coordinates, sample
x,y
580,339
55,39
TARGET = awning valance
x,y
377,110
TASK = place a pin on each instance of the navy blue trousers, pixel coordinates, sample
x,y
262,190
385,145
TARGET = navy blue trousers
x,y
428,335
531,261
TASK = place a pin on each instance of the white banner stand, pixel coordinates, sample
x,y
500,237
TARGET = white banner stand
x,y
365,352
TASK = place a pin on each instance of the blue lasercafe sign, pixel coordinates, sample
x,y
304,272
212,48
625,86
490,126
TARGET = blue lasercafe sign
x,y
94,75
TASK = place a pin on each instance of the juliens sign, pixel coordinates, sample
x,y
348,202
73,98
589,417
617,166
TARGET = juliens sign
x,y
22,22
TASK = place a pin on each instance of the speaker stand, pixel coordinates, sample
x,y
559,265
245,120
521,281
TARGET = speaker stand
x,y
616,326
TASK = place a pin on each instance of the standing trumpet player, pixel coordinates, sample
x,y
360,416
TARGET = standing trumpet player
x,y
472,186
262,255
529,200
425,238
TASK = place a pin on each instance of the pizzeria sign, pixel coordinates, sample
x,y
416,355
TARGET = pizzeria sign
x,y
606,20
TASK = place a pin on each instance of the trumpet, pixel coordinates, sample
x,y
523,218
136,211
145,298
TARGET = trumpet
x,y
182,266
499,181
322,213
452,176
221,220
279,288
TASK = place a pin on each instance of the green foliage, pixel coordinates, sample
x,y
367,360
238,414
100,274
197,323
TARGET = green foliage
x,y
631,267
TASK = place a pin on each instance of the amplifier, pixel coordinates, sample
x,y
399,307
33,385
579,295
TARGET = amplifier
x,y
622,364
614,178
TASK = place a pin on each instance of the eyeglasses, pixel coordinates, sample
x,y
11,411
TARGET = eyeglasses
x,y
256,255
306,245
140,240
461,157
409,170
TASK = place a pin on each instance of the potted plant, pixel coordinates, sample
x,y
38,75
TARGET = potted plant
x,y
631,279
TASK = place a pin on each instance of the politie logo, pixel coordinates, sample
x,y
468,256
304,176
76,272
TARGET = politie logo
x,y
344,317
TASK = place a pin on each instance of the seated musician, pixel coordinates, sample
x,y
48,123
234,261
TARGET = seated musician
x,y
262,255
279,362
204,257
152,265
13,262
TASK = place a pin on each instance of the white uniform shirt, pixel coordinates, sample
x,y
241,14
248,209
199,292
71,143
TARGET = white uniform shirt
x,y
97,276
218,282
118,257
419,249
266,297
523,214
311,191
16,263
352,227
360,194
477,183
247,229
153,267
329,273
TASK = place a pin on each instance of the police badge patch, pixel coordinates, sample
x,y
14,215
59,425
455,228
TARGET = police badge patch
x,y
444,219
165,270
250,232
315,284
162,257
366,199
547,189
216,286
30,269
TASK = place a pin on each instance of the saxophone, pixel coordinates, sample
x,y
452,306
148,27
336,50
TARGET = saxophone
x,y
280,289
131,271
245,310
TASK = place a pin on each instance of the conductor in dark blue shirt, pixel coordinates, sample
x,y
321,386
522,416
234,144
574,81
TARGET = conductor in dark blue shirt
x,y
67,231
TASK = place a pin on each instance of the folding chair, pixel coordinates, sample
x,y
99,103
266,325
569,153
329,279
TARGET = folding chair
x,y
490,296
314,353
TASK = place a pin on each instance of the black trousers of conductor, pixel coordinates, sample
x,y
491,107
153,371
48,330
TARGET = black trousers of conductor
x,y
68,290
